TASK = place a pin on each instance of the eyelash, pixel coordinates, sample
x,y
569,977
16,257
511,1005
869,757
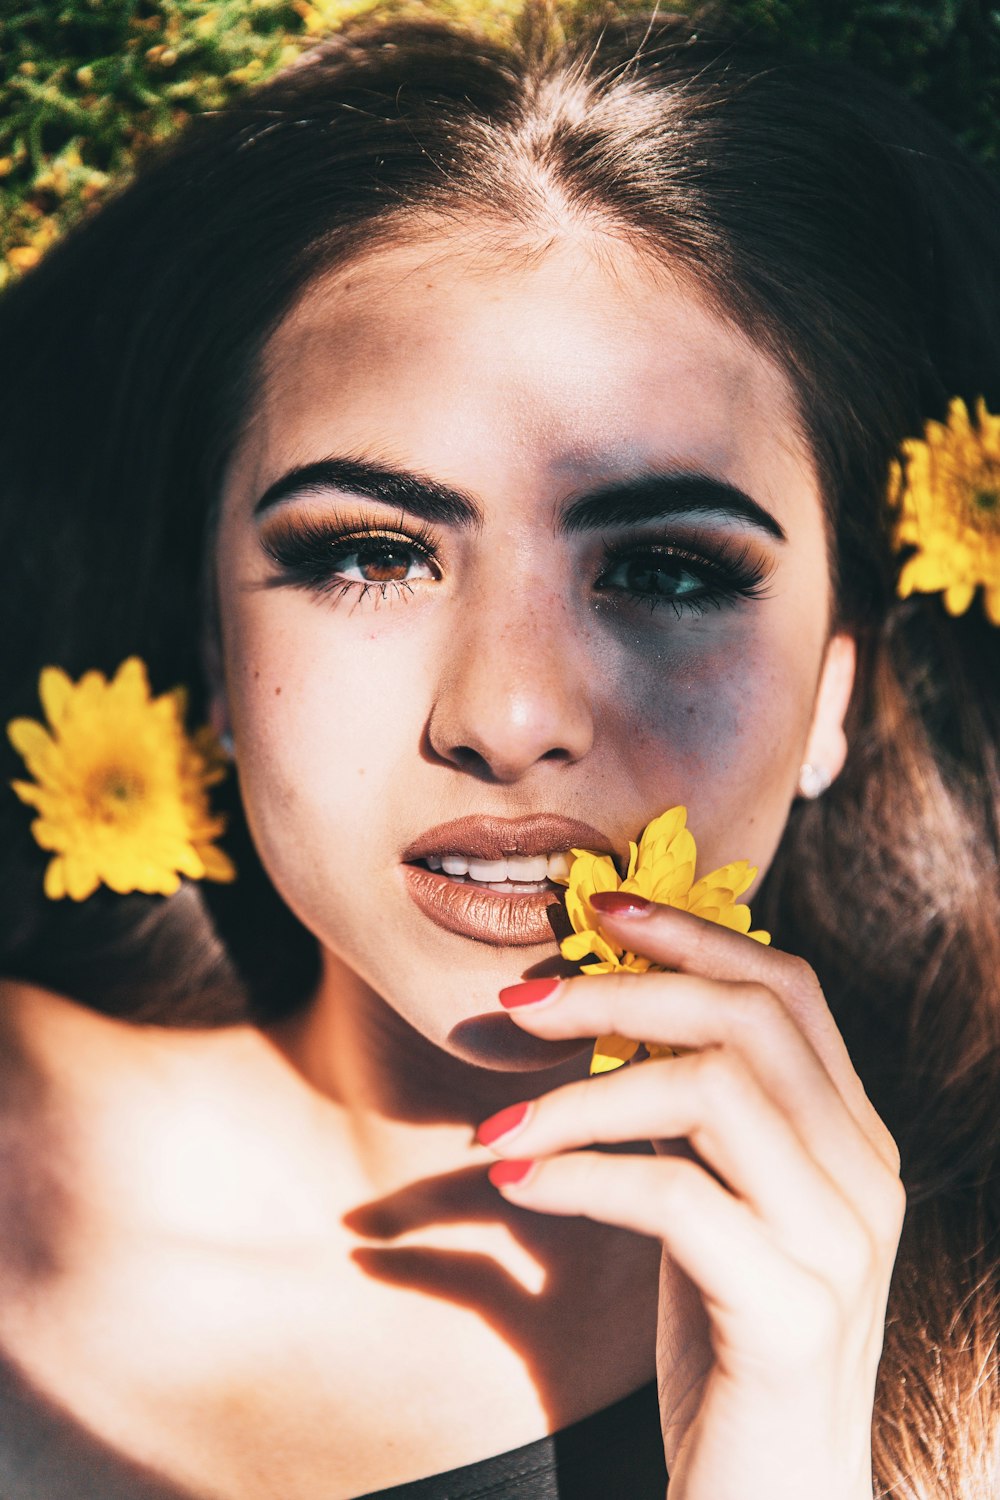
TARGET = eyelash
x,y
727,570
307,550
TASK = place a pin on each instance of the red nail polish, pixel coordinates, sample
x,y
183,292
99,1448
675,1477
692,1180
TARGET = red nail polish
x,y
506,1173
501,1123
620,904
529,993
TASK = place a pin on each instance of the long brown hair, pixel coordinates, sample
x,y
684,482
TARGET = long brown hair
x,y
848,236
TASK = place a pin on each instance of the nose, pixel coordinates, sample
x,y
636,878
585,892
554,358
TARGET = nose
x,y
513,690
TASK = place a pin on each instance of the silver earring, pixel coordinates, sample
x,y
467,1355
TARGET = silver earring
x,y
228,743
813,781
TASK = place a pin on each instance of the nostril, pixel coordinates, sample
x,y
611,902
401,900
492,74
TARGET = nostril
x,y
471,760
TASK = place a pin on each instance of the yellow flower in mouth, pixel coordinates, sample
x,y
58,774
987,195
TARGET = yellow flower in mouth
x,y
661,868
119,787
947,494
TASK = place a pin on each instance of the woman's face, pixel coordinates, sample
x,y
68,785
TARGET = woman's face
x,y
558,550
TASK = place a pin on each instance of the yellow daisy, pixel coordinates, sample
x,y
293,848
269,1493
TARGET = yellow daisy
x,y
119,787
947,493
661,868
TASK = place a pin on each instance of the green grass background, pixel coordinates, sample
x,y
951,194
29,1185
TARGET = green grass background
x,y
87,85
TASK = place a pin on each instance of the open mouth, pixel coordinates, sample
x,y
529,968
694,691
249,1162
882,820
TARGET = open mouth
x,y
497,880
526,875
480,899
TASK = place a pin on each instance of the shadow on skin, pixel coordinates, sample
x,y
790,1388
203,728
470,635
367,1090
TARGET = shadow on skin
x,y
47,1454
533,1325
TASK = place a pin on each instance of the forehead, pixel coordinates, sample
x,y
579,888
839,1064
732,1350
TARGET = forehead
x,y
524,368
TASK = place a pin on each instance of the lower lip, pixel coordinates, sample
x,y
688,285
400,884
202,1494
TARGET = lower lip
x,y
504,920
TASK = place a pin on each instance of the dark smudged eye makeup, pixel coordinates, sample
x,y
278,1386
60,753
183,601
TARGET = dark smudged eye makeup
x,y
336,559
655,573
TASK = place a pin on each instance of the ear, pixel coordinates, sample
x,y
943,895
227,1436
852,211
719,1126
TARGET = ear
x,y
826,745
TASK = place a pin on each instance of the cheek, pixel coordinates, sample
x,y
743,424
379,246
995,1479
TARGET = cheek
x,y
326,720
717,720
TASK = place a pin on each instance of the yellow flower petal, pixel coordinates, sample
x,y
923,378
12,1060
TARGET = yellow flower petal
x,y
958,597
56,692
218,866
80,876
611,1052
54,884
47,835
663,829
34,744
736,918
580,944
27,791
734,878
130,682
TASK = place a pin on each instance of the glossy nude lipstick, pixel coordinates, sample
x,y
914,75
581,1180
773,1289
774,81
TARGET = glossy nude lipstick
x,y
458,902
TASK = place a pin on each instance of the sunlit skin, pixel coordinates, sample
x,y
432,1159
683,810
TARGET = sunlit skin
x,y
298,1219
508,685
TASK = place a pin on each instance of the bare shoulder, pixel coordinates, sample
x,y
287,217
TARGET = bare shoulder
x,y
46,1454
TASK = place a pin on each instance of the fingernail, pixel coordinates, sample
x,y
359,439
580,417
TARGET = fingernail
x,y
529,993
502,1123
506,1173
620,904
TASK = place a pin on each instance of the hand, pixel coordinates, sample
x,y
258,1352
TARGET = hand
x,y
775,1192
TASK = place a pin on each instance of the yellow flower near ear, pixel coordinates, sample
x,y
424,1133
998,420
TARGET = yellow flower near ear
x,y
119,787
661,868
947,494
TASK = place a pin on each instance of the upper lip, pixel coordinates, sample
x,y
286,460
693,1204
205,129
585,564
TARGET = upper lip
x,y
493,838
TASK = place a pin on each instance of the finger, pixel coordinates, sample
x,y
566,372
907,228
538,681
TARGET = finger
x,y
712,1100
688,944
680,1010
691,945
714,1238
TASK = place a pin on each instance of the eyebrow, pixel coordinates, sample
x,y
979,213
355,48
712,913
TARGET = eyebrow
x,y
643,497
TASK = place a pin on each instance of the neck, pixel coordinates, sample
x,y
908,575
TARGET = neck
x,y
408,1106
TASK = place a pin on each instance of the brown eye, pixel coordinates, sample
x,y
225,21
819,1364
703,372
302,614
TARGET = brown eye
x,y
340,560
383,563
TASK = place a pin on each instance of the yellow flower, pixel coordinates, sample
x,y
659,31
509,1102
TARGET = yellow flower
x,y
119,786
947,493
661,868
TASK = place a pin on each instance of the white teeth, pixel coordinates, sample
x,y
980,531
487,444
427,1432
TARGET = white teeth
x,y
521,869
527,867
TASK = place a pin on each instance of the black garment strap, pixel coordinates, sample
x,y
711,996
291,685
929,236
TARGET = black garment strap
x,y
616,1452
